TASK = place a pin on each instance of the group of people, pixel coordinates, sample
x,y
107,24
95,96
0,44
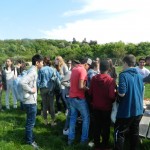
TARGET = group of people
x,y
88,89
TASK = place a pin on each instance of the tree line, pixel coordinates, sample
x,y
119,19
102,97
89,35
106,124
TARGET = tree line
x,y
26,48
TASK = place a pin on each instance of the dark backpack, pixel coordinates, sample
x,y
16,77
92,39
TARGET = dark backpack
x,y
54,84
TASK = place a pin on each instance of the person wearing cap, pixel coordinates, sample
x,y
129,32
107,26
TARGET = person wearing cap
x,y
77,100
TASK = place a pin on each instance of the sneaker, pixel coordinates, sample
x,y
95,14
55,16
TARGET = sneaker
x,y
34,144
65,131
53,123
59,112
91,144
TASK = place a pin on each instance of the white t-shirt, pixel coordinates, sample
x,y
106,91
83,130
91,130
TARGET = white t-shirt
x,y
144,72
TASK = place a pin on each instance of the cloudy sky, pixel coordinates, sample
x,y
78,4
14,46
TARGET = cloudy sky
x,y
101,20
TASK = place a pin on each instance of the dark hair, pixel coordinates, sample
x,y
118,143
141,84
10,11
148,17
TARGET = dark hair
x,y
141,58
104,65
147,58
47,61
36,58
130,60
94,64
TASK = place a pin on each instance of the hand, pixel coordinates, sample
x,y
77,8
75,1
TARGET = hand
x,y
34,90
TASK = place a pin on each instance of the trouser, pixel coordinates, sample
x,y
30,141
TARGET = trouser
x,y
81,106
123,125
102,123
47,102
9,89
31,110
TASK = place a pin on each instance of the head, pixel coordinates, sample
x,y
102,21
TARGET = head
x,y
110,62
94,64
9,62
129,61
59,61
47,61
104,66
69,63
147,60
141,62
87,63
37,60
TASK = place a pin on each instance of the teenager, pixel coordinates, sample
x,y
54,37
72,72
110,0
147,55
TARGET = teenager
x,y
102,91
29,85
130,109
9,73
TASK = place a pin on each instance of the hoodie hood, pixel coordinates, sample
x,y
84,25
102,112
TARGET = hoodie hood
x,y
132,71
103,79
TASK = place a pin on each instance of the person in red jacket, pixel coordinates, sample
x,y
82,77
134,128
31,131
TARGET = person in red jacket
x,y
102,91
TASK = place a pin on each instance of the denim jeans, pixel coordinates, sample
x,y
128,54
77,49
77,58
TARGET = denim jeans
x,y
81,106
68,114
31,110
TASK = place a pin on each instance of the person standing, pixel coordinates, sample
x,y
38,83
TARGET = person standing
x,y
9,73
130,109
102,91
29,85
44,76
78,102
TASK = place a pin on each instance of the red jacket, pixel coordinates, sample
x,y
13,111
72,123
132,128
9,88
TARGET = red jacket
x,y
102,90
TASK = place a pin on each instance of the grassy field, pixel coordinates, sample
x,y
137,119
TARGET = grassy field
x,y
12,125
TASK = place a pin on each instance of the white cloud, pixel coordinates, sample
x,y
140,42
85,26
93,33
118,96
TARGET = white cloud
x,y
130,26
109,6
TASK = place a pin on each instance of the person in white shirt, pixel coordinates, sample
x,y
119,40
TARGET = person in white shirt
x,y
10,74
141,69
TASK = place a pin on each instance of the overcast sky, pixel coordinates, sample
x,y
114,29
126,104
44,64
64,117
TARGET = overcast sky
x,y
101,20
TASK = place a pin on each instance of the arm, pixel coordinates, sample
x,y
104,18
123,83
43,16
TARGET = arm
x,y
112,90
147,79
122,86
30,77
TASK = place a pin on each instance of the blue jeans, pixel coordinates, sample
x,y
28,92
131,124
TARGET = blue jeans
x,y
68,114
31,110
81,106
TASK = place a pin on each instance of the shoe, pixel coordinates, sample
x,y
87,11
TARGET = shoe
x,y
70,142
15,107
59,112
91,144
34,144
53,123
65,131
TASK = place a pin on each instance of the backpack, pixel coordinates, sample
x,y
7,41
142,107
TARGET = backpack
x,y
18,91
54,84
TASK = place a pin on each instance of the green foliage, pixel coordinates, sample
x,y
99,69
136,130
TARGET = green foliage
x,y
26,48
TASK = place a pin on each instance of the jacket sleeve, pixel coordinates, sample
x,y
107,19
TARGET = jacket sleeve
x,y
30,77
147,79
112,93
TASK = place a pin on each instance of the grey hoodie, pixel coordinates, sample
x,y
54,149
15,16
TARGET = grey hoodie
x,y
28,82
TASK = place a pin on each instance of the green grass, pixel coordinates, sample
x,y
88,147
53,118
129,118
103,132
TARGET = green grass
x,y
12,129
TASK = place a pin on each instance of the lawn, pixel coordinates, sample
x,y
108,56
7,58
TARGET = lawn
x,y
12,125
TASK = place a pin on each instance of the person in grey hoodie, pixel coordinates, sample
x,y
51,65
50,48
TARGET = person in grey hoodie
x,y
30,97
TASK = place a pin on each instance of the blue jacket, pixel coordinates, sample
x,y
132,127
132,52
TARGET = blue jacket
x,y
130,84
44,75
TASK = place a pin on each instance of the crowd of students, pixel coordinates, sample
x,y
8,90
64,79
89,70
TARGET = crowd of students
x,y
88,89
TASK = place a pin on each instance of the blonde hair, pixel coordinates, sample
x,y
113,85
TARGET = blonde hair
x,y
61,61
